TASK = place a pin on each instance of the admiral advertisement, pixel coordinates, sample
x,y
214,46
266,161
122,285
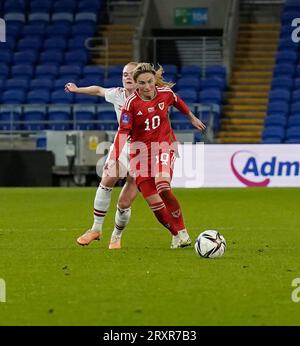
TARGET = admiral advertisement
x,y
262,165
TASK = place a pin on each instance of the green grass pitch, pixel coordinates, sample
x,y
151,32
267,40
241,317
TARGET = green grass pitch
x,y
50,280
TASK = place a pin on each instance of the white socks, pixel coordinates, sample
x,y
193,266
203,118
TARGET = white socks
x,y
101,205
121,220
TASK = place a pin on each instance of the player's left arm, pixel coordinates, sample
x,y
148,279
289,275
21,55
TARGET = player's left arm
x,y
183,108
122,134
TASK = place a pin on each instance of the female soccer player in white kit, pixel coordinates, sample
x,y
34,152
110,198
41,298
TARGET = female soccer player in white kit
x,y
117,97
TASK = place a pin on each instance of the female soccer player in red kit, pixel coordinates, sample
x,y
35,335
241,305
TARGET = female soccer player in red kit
x,y
145,119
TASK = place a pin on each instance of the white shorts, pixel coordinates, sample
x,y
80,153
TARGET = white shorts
x,y
124,159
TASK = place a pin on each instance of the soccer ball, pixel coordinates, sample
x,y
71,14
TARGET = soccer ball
x,y
210,244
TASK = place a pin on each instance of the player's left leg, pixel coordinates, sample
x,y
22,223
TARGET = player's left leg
x,y
163,176
123,212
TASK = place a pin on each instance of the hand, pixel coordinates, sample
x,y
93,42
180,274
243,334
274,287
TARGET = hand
x,y
70,87
198,124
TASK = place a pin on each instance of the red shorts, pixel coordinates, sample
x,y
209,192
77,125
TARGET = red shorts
x,y
161,165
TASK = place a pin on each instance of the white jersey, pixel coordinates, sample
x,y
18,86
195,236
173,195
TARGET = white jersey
x,y
117,97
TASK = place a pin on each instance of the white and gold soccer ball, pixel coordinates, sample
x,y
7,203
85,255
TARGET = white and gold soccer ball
x,y
210,244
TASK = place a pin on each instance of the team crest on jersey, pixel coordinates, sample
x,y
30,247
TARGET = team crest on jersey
x,y
140,113
125,118
151,109
161,105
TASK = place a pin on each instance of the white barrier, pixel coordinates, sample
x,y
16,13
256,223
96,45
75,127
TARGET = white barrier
x,y
238,166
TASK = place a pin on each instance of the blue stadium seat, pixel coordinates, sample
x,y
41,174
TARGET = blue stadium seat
x,y
218,71
188,96
278,107
112,82
89,6
77,42
62,30
46,71
62,97
25,57
14,18
85,30
293,133
60,117
92,70
60,83
62,17
275,120
210,96
273,132
286,57
294,120
64,6
76,57
29,44
17,84
87,99
14,6
69,70
214,83
39,18
13,97
279,95
170,69
5,57
287,17
114,71
57,43
88,81
9,116
38,6
34,120
295,96
38,97
4,70
287,44
33,30
86,18
191,71
189,83
54,57
22,71
295,107
282,82
41,84
284,70
272,140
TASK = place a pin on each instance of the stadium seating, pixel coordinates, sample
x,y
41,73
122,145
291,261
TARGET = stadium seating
x,y
46,48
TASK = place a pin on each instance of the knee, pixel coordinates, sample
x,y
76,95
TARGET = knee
x,y
163,188
124,203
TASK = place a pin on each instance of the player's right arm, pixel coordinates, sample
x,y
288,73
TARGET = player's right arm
x,y
93,90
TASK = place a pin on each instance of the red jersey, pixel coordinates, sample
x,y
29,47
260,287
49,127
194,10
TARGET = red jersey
x,y
147,121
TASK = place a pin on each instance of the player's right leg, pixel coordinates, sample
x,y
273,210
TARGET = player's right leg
x,y
123,212
102,200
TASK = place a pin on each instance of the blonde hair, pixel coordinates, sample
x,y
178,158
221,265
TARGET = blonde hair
x,y
134,63
145,67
